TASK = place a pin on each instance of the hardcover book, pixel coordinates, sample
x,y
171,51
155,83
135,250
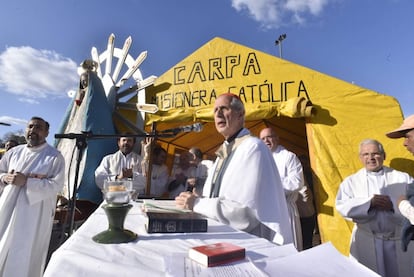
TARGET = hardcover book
x,y
217,253
175,222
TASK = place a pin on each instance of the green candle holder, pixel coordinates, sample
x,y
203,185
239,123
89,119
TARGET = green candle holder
x,y
116,233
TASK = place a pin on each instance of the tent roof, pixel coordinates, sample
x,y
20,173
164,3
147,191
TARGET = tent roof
x,y
291,131
272,90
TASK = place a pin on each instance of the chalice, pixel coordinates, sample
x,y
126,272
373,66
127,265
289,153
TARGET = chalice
x,y
117,195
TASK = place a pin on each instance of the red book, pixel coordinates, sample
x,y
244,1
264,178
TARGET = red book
x,y
217,253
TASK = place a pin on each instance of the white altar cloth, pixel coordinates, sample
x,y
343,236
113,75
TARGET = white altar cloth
x,y
81,256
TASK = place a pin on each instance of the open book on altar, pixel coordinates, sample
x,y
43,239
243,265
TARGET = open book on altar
x,y
162,206
164,217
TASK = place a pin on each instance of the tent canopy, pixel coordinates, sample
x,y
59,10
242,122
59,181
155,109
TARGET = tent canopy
x,y
313,113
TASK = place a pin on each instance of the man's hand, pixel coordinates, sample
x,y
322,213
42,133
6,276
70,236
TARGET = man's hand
x,y
147,146
381,203
185,200
126,173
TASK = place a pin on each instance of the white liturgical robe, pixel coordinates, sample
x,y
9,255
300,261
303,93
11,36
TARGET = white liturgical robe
x,y
249,198
376,236
291,174
26,213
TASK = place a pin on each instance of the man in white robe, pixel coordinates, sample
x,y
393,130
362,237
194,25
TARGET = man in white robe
x,y
369,198
31,176
159,170
121,165
291,174
243,188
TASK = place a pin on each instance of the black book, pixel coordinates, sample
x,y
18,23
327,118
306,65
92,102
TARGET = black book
x,y
175,222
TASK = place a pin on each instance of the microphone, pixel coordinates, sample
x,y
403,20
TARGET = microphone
x,y
73,135
196,127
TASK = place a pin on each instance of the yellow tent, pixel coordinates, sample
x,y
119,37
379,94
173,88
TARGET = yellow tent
x,y
314,114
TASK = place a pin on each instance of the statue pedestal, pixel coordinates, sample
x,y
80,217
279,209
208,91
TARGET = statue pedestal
x,y
116,233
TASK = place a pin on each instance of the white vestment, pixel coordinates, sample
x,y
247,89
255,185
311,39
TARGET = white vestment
x,y
251,196
376,236
26,213
112,165
291,174
159,180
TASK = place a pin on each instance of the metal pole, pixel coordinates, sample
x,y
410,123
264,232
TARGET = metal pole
x,y
280,49
279,43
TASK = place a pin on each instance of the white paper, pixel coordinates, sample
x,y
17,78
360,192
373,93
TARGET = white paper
x,y
322,260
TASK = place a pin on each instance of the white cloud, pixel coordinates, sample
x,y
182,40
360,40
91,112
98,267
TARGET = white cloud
x,y
32,74
13,120
28,100
276,13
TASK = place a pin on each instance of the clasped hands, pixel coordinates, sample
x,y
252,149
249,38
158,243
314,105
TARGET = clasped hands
x,y
15,178
381,203
125,173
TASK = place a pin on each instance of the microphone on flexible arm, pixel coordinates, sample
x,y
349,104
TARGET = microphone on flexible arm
x,y
196,127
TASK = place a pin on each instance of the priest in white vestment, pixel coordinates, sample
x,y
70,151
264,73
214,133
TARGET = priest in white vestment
x,y
121,165
243,188
31,176
291,173
369,198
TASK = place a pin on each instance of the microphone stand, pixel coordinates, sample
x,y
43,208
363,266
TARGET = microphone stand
x,y
81,144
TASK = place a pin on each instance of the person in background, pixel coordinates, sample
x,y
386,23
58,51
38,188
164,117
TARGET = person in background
x,y
291,174
180,174
406,131
201,169
406,201
31,175
369,198
159,170
124,164
306,205
10,144
243,188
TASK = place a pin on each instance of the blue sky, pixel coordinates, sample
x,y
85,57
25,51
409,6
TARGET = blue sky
x,y
42,42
